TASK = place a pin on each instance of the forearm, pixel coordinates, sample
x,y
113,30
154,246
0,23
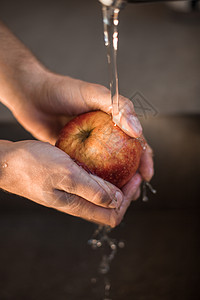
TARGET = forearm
x,y
16,64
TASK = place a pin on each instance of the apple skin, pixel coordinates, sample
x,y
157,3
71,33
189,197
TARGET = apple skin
x,y
99,146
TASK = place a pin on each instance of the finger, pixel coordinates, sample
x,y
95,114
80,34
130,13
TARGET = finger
x,y
111,190
127,119
130,189
119,213
76,180
98,97
137,194
79,207
146,168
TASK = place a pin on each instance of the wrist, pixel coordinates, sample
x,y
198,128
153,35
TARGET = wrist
x,y
19,70
18,84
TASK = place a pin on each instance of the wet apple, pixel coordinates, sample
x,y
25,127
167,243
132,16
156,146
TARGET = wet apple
x,y
99,146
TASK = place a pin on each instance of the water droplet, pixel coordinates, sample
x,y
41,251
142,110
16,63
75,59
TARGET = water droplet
x,y
142,142
101,238
104,268
4,165
91,242
99,244
145,198
113,246
144,190
151,188
94,243
107,286
93,280
121,244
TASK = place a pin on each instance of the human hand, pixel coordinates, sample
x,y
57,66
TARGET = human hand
x,y
46,175
55,99
51,100
42,102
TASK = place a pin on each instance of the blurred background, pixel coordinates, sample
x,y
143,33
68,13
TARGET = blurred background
x,y
44,253
159,47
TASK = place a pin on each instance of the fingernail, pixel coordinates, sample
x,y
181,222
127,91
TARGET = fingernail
x,y
117,201
119,198
113,204
135,124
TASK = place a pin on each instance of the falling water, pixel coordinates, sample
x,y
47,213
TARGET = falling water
x,y
144,190
109,247
101,238
110,26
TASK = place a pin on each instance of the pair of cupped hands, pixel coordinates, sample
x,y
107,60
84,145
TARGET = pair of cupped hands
x,y
43,173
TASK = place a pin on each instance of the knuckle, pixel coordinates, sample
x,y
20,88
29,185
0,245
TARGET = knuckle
x,y
66,182
68,202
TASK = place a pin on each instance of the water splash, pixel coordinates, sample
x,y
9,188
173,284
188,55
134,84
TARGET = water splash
x,y
109,247
107,287
142,142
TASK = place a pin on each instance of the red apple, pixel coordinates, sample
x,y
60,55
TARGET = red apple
x,y
95,143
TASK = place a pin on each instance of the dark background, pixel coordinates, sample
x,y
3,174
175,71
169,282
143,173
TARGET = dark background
x,y
158,47
44,253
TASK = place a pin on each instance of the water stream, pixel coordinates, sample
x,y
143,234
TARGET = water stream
x,y
101,236
110,27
